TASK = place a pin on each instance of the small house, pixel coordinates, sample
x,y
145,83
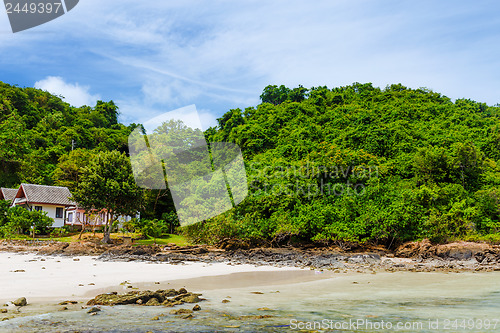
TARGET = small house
x,y
54,200
80,217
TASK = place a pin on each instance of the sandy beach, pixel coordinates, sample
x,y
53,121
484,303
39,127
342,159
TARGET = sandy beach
x,y
247,297
52,278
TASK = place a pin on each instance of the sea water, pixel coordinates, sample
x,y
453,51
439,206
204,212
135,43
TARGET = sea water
x,y
383,302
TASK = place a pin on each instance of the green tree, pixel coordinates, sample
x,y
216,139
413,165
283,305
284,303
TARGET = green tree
x,y
108,183
70,168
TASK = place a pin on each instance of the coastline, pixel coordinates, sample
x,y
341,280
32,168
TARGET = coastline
x,y
412,256
259,296
52,271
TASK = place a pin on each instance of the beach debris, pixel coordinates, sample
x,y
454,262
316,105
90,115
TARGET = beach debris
x,y
196,308
76,259
20,302
68,302
264,309
93,310
257,293
155,318
3,311
225,301
19,271
169,297
250,317
189,316
181,311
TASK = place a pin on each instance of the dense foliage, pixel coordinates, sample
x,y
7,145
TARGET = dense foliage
x,y
44,140
354,163
37,129
359,163
19,221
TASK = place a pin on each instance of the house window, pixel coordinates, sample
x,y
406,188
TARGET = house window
x,y
70,217
38,208
59,213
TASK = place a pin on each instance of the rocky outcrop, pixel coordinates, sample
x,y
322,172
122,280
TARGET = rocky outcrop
x,y
422,256
170,297
452,251
414,249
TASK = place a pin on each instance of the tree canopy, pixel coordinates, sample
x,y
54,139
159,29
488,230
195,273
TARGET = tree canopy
x,y
107,184
354,163
361,163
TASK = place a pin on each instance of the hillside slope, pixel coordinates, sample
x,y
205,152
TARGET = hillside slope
x,y
360,163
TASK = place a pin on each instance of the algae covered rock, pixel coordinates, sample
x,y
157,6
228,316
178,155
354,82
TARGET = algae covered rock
x,y
20,302
170,297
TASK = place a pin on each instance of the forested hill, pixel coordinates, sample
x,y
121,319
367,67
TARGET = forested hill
x,y
354,163
359,163
38,130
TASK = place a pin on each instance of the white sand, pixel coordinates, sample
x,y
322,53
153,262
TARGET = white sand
x,y
60,278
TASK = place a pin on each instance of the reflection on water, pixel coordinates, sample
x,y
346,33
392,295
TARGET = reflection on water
x,y
449,304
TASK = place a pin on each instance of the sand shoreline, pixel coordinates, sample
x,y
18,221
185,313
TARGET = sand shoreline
x,y
57,278
285,290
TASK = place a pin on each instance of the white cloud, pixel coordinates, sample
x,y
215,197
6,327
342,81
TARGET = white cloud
x,y
231,51
74,94
152,57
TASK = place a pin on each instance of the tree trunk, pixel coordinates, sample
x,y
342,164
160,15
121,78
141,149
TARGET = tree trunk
x,y
81,232
107,230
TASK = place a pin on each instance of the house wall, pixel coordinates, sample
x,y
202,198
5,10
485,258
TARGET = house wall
x,y
51,212
100,220
79,218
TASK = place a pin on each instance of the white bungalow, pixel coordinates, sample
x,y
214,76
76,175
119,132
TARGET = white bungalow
x,y
54,200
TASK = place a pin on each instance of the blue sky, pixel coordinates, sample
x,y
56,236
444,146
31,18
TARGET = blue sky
x,y
151,57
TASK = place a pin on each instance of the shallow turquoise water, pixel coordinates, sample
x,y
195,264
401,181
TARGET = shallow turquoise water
x,y
417,303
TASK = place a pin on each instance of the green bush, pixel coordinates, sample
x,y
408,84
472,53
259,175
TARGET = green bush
x,y
20,221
